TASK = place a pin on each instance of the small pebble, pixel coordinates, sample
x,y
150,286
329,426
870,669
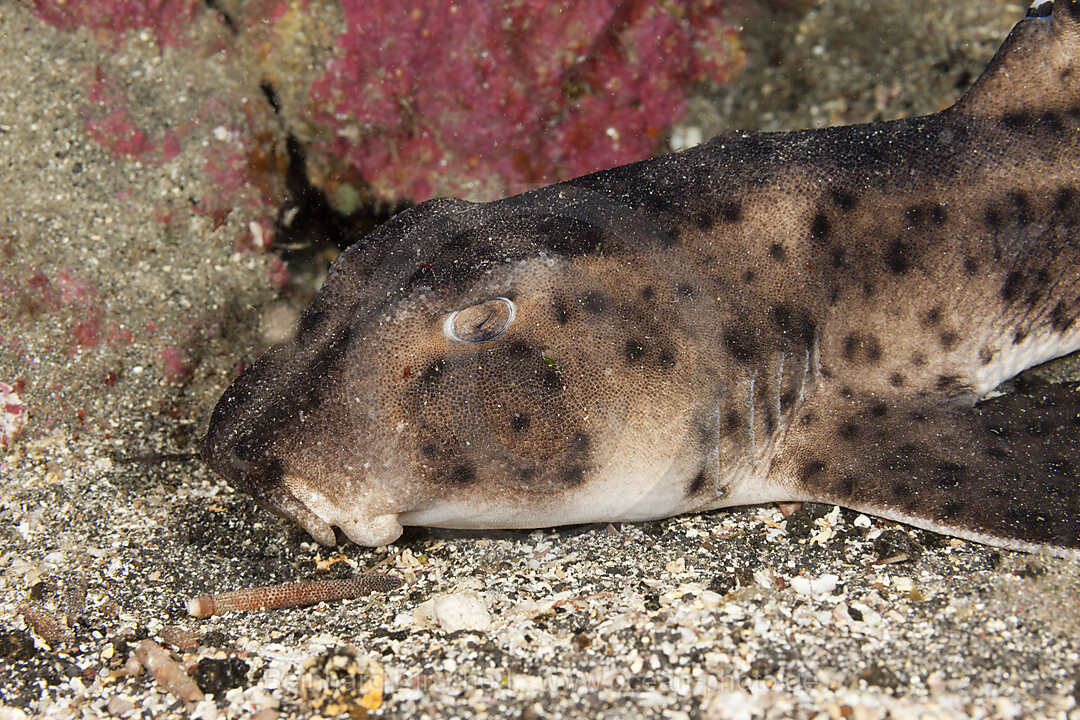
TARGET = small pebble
x,y
455,611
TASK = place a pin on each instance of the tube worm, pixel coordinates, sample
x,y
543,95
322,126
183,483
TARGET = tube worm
x,y
292,594
169,673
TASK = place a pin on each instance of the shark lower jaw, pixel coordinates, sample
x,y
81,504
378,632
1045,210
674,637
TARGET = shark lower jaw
x,y
366,517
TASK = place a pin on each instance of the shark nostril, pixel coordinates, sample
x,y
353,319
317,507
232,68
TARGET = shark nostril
x,y
244,450
238,463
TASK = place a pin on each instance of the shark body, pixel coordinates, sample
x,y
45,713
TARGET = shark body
x,y
816,315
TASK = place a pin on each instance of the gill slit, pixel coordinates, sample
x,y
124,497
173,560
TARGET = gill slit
x,y
779,385
750,415
719,419
805,374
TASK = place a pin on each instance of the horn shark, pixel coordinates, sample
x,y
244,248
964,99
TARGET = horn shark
x,y
819,315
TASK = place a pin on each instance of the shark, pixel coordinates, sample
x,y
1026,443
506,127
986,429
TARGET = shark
x,y
823,315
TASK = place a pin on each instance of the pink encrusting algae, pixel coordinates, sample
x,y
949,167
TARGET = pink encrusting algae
x,y
176,363
73,300
167,19
492,97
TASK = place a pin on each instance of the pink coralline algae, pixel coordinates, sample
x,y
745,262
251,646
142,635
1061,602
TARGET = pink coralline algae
x,y
110,123
176,363
73,299
168,19
426,97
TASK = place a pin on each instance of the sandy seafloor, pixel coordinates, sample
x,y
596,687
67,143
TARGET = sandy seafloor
x,y
735,614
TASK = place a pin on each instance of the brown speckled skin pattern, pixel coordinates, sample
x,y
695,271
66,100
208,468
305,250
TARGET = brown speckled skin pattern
x,y
813,315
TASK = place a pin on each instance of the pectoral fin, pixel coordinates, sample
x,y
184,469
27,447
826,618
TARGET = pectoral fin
x,y
1005,471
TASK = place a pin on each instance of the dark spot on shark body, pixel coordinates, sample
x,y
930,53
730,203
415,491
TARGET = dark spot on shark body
x,y
946,383
580,441
697,484
571,237
1038,287
812,469
849,430
819,228
843,199
951,509
862,349
573,474
1059,319
731,211
948,340
898,257
666,359
846,486
1014,282
914,216
1065,200
732,422
462,474
551,379
594,302
796,324
948,475
725,210
1021,206
1059,466
310,320
741,344
562,313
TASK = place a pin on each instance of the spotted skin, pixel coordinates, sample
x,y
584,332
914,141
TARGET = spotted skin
x,y
817,315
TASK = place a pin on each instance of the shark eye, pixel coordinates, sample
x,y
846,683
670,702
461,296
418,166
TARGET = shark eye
x,y
480,322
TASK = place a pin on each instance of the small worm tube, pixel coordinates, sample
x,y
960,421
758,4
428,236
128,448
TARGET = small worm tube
x,y
292,594
169,673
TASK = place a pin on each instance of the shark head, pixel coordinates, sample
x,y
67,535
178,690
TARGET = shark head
x,y
480,365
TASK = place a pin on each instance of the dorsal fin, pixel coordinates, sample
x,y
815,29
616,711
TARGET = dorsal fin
x,y
1037,68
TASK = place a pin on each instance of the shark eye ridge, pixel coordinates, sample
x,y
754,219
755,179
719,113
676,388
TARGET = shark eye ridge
x,y
480,322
